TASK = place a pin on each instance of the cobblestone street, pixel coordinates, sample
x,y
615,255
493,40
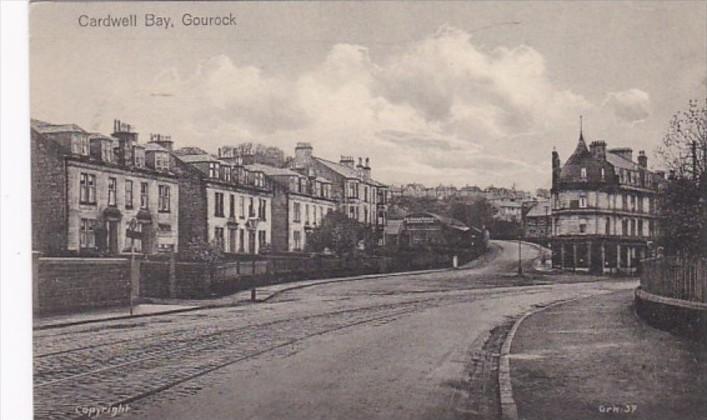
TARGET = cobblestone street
x,y
426,333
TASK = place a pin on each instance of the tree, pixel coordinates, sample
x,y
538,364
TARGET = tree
x,y
268,155
199,250
340,234
685,143
684,197
481,213
682,218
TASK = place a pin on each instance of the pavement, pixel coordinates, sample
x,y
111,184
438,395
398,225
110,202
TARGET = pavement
x,y
593,358
109,314
162,306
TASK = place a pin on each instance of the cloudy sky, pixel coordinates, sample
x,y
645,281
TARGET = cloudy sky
x,y
438,92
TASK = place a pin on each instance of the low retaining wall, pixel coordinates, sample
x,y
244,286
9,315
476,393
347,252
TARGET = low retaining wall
x,y
676,315
73,284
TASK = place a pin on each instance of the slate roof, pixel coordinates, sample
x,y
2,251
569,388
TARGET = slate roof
x,y
339,168
539,209
347,171
621,162
101,136
271,170
204,157
448,221
47,128
154,147
580,152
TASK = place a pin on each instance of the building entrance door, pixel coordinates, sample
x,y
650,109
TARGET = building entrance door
x,y
251,242
232,241
112,237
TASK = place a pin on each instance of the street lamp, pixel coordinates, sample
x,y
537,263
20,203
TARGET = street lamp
x,y
520,266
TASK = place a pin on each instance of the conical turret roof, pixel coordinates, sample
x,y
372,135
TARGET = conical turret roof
x,y
580,151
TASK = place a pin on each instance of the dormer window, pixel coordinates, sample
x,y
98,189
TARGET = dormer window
x,y
213,170
583,173
603,174
138,157
227,174
83,145
161,162
106,151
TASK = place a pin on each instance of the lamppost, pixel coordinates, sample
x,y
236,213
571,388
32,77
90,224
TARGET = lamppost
x,y
520,266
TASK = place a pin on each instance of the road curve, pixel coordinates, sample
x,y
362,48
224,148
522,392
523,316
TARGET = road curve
x,y
392,347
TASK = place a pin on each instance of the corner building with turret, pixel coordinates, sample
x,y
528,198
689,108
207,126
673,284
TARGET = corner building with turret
x,y
604,216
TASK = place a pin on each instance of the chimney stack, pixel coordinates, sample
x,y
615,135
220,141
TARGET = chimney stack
x,y
598,149
642,159
127,138
367,168
303,155
347,161
163,141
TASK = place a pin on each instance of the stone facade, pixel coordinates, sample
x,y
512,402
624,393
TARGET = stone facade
x,y
108,182
234,203
603,209
48,196
300,201
357,194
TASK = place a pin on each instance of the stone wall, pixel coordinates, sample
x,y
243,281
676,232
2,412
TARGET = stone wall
x,y
76,284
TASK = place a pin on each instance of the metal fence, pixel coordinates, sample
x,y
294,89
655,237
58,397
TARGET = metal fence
x,y
675,277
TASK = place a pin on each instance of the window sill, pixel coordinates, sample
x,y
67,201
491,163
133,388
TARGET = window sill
x,y
86,203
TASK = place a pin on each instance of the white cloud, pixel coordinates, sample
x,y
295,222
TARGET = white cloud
x,y
442,110
631,106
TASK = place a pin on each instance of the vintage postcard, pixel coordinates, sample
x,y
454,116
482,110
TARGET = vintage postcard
x,y
369,210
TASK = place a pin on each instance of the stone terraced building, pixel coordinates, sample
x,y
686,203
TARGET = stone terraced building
x,y
87,188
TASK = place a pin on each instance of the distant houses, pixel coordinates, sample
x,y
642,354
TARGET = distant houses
x,y
537,222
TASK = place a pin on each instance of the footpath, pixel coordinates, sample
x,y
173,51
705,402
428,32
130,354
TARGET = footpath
x,y
593,358
158,306
155,306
